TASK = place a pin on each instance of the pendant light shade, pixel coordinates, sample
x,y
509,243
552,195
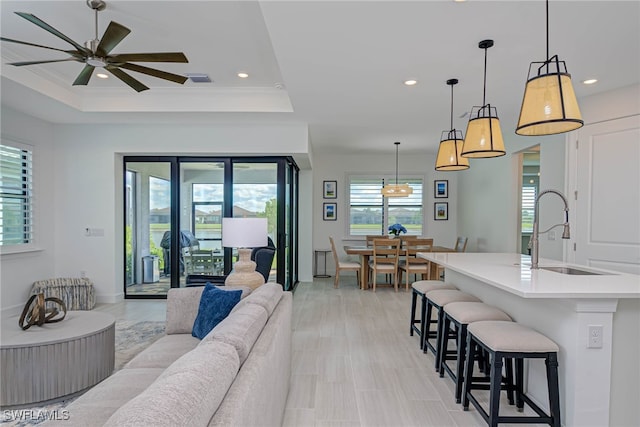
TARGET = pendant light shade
x,y
549,105
396,190
484,136
449,156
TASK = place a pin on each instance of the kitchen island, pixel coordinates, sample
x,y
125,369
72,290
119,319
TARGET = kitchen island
x,y
599,375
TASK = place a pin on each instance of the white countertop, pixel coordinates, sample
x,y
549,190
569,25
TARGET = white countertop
x,y
511,272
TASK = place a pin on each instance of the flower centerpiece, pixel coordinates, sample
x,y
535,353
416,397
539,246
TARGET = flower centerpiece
x,y
396,229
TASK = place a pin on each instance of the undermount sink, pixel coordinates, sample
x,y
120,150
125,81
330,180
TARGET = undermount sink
x,y
572,271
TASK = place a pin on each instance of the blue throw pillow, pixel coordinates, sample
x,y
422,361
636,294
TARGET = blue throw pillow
x,y
215,305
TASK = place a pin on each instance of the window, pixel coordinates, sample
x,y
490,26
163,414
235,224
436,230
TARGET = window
x,y
16,196
370,213
528,208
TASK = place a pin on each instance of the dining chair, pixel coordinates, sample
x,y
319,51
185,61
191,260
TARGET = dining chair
x,y
369,238
386,254
343,265
411,264
461,246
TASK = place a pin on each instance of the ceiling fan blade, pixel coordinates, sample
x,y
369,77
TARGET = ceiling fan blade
x,y
70,52
155,73
40,23
111,37
84,76
150,57
135,84
20,64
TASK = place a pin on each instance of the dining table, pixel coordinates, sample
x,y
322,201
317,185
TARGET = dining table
x,y
366,252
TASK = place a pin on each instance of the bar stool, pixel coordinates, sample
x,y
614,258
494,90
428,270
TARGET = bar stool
x,y
508,341
419,288
438,299
460,315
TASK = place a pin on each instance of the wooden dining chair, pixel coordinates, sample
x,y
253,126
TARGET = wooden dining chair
x,y
386,255
343,265
411,264
369,238
461,246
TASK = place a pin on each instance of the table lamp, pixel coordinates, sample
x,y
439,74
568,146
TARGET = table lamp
x,y
244,234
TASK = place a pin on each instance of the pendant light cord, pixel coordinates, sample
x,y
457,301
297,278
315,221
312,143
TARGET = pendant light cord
x,y
484,90
451,107
547,29
397,144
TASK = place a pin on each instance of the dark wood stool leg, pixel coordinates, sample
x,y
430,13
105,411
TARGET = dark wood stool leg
x,y
440,333
427,325
423,320
462,339
414,297
468,372
519,384
495,389
509,385
552,383
444,344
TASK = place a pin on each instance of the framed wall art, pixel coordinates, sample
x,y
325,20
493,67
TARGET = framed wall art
x,y
441,211
441,189
329,190
329,211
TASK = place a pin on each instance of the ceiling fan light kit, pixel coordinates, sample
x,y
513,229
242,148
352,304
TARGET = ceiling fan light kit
x,y
449,156
549,104
396,190
484,136
96,53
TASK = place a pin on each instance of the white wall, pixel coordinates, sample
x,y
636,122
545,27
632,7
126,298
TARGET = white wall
x,y
339,167
84,173
488,196
19,271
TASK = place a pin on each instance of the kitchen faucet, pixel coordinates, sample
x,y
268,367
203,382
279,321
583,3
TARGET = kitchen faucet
x,y
533,242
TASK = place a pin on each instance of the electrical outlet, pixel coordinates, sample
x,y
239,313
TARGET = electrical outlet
x,y
595,336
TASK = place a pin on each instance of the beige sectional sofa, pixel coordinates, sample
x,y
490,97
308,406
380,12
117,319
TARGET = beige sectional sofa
x,y
238,375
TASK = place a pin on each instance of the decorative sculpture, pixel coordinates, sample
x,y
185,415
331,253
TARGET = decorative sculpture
x,y
36,313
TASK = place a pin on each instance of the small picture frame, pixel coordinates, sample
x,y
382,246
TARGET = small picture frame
x,y
441,189
441,211
329,211
329,189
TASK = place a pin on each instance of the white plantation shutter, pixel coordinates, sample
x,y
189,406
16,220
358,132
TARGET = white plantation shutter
x,y
528,208
16,195
370,213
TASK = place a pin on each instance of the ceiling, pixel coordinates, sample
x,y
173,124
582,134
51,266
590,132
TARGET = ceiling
x,y
337,66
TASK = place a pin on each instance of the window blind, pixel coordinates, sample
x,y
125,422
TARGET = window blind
x,y
16,195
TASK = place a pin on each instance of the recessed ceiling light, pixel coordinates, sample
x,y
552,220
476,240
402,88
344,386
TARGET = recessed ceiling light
x,y
410,82
589,81
243,75
102,75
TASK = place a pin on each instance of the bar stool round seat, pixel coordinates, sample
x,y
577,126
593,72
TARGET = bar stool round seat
x,y
438,299
460,315
420,288
509,341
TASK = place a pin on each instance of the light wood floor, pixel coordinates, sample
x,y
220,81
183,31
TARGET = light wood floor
x,y
353,362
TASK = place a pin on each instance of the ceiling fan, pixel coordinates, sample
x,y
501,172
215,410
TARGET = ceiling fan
x,y
96,53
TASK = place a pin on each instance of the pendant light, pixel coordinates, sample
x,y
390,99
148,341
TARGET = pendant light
x,y
396,190
449,156
549,105
484,137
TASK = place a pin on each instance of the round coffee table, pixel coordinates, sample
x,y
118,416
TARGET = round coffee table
x,y
55,360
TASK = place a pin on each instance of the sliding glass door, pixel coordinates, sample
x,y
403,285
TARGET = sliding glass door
x,y
175,205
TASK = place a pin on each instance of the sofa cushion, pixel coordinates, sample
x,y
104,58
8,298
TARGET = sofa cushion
x,y
215,305
164,351
267,296
187,393
100,402
240,329
182,307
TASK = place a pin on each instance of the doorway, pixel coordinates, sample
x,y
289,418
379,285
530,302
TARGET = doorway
x,y
175,205
529,190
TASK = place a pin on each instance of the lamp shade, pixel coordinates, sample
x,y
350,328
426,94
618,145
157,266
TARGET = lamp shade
x,y
549,105
449,156
244,232
484,136
396,190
